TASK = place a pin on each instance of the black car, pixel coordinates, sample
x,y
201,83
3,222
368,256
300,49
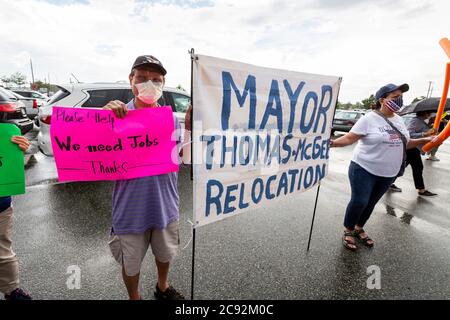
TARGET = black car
x,y
13,111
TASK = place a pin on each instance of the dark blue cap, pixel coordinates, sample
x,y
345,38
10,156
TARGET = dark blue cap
x,y
385,90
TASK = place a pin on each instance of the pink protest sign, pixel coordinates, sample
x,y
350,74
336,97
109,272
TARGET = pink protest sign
x,y
93,144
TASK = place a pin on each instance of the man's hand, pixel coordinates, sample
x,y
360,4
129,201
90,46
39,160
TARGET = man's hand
x,y
187,119
22,142
430,132
118,107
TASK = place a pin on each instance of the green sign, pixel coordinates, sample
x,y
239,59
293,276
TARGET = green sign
x,y
12,174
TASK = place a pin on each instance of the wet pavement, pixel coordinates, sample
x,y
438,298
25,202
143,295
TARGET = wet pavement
x,y
256,255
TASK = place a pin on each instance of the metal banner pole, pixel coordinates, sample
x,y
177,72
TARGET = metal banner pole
x,y
191,52
314,215
193,264
318,187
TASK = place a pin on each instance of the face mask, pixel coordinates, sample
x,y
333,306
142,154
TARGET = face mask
x,y
394,105
149,92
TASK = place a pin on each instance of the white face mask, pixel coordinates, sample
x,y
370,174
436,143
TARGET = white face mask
x,y
149,92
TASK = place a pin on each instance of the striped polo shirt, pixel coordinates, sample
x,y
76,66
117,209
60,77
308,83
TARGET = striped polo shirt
x,y
145,203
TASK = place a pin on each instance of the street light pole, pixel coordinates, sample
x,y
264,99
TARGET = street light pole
x,y
32,72
429,89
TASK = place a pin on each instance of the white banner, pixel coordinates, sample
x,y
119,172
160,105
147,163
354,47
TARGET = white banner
x,y
259,134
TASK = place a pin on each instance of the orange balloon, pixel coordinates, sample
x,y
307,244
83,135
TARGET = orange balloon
x,y
438,140
441,107
445,44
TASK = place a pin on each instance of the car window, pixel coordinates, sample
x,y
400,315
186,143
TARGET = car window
x,y
180,101
346,115
4,96
9,94
18,95
99,98
60,94
24,93
36,95
128,96
338,114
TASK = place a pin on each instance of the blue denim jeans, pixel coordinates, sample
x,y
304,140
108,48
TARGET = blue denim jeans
x,y
367,189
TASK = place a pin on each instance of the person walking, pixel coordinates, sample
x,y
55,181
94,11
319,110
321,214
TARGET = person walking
x,y
418,128
377,160
9,264
145,211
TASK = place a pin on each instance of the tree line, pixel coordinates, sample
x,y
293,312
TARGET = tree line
x,y
18,79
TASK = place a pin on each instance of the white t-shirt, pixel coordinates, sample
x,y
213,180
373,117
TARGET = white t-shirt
x,y
380,150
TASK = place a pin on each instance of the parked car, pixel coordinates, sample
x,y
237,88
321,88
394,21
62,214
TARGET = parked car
x,y
31,105
96,95
40,97
344,120
13,111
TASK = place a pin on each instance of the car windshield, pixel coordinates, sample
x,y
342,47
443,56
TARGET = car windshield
x,y
346,115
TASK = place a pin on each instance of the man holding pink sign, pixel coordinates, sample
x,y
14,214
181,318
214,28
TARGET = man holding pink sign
x,y
145,210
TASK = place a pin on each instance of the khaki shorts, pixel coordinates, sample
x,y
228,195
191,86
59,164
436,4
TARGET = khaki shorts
x,y
130,249
9,266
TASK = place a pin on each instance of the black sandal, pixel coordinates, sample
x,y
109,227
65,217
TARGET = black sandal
x,y
347,243
365,240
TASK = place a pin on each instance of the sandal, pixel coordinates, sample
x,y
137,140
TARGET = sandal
x,y
365,240
349,244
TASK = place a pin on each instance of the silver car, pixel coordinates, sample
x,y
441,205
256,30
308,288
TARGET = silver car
x,y
30,104
96,95
41,99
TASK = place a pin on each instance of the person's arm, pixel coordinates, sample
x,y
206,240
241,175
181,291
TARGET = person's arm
x,y
346,140
417,129
22,142
414,143
422,134
187,118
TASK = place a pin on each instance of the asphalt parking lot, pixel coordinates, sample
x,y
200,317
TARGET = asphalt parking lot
x,y
256,255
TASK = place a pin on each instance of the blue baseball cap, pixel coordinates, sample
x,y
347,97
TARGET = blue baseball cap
x,y
385,90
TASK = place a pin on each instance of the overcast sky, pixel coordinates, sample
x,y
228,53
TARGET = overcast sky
x,y
367,42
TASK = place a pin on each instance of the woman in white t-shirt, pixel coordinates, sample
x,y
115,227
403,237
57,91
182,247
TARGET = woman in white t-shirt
x,y
377,159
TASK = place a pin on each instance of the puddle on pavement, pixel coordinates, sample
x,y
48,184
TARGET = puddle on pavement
x,y
415,222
